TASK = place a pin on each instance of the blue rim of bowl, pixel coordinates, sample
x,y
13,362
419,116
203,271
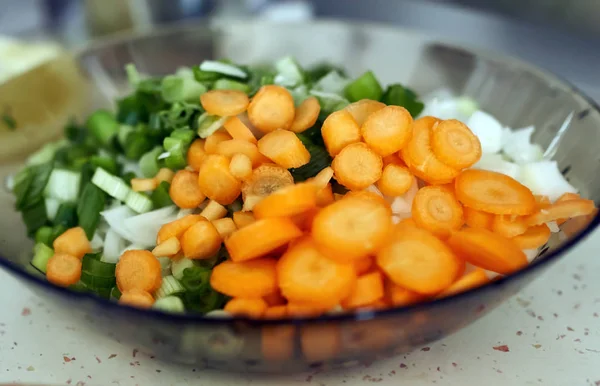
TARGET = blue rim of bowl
x,y
185,318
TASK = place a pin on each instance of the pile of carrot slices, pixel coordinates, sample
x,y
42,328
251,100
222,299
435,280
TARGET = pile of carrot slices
x,y
298,249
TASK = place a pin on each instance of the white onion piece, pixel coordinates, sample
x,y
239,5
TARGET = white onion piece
x,y
184,212
97,242
544,178
488,129
497,163
116,220
518,147
143,228
113,245
530,254
553,227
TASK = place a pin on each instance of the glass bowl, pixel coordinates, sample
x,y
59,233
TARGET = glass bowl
x,y
517,93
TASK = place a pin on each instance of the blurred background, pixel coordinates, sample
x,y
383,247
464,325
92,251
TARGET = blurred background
x,y
560,35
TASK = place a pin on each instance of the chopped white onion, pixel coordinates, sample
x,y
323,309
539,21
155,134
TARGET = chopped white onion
x,y
113,246
496,163
488,129
116,220
554,228
531,254
143,228
545,178
518,147
97,242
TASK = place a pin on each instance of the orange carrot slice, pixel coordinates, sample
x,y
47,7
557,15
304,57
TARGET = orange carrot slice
x,y
225,227
488,250
195,154
368,289
325,196
323,177
224,103
216,181
177,228
232,147
276,312
73,242
63,269
238,130
305,220
165,175
419,261
339,130
363,265
211,143
455,145
362,109
471,280
494,193
261,237
306,115
272,108
138,269
284,148
437,210
534,237
564,197
241,219
401,297
265,179
388,130
169,247
143,184
136,298
508,226
542,201
256,278
277,342
320,342
306,276
213,211
395,180
357,166
393,159
240,167
184,190
353,227
249,307
289,201
201,241
562,210
478,219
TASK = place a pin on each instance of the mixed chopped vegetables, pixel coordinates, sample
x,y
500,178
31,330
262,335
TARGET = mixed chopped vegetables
x,y
279,191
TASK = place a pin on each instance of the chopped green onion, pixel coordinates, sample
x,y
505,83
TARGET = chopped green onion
x,y
107,163
138,202
180,89
63,185
333,82
96,283
208,124
40,176
41,254
44,235
124,131
21,184
299,94
228,84
319,160
316,72
289,72
111,185
133,76
89,206
46,153
186,135
398,95
52,205
91,264
149,162
169,304
9,121
180,265
203,302
170,286
58,230
329,102
160,196
136,145
34,217
115,293
196,279
103,126
127,177
211,66
87,172
364,87
66,215
75,133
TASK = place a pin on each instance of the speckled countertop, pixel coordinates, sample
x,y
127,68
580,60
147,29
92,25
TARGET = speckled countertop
x,y
547,335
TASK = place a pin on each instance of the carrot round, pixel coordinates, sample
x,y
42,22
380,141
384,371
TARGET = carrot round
x,y
357,166
272,108
201,241
289,201
177,228
284,148
565,197
478,219
388,130
393,159
213,211
276,312
363,265
165,175
367,290
454,144
241,219
542,201
494,193
138,269
250,307
323,177
195,154
143,184
136,298
240,166
73,242
362,109
211,143
353,227
63,269
184,190
488,250
437,210
225,227
238,130
325,196
339,130
169,247
534,237
306,115
304,220
562,210
395,180
256,278
232,147
471,280
261,237
508,226
306,276
216,181
265,179
420,262
402,297
224,103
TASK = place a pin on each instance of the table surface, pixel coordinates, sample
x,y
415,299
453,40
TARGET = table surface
x,y
546,335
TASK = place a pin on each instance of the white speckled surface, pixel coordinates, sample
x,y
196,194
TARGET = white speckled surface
x,y
551,331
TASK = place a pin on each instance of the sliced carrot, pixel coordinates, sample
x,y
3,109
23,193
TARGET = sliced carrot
x,y
224,103
325,196
277,342
216,182
272,108
232,147
488,250
225,227
196,153
250,307
478,219
393,159
304,220
238,130
143,184
306,115
338,196
508,226
63,269
562,210
534,237
401,297
276,312
323,177
357,166
265,179
564,197
306,276
284,148
494,193
288,201
256,278
165,175
242,219
213,211
542,201
169,247
437,210
405,225
138,269
261,237
73,242
301,310
368,289
136,298
177,228
420,262
275,299
339,130
455,145
471,280
184,190
211,143
240,166
388,130
353,227
363,265
320,342
395,180
201,241
362,109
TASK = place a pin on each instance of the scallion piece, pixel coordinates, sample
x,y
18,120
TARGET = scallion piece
x,y
41,254
63,185
44,235
124,131
160,196
103,126
107,163
180,89
364,87
398,95
115,293
95,283
40,176
89,206
46,153
176,149
169,304
34,217
136,144
170,286
289,72
138,202
196,279
208,124
186,135
133,76
180,265
228,84
221,68
149,162
21,184
91,264
66,215
111,185
52,205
